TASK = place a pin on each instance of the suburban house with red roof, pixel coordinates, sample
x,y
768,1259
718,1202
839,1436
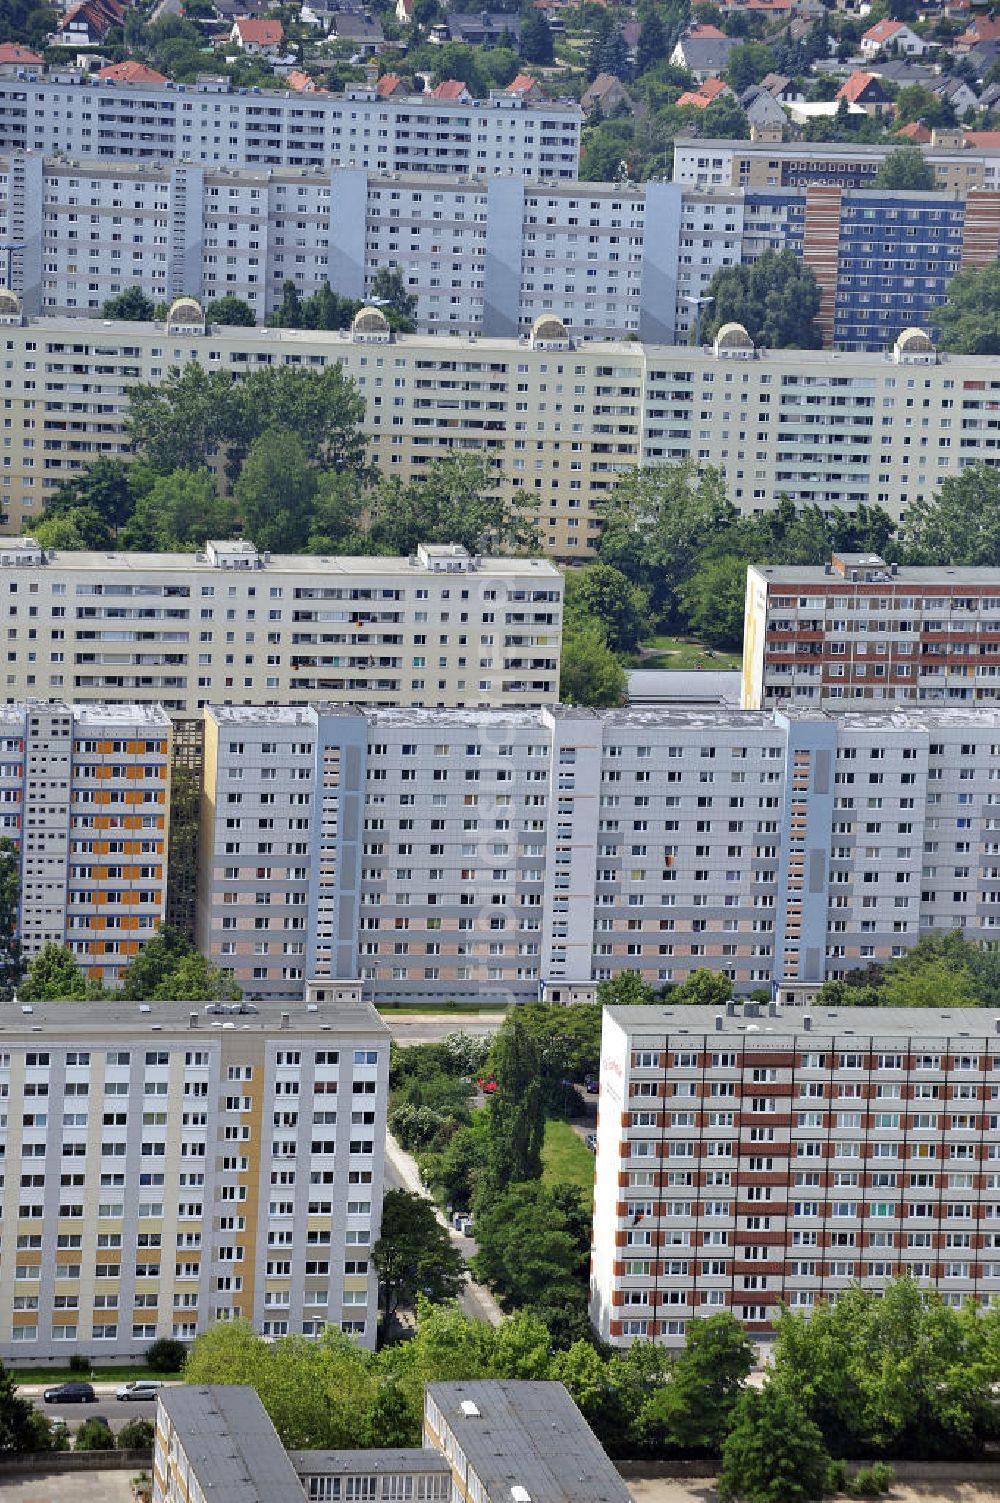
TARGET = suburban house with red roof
x,y
892,36
131,72
867,91
703,96
87,24
14,56
389,86
526,88
451,88
257,38
916,132
980,29
607,93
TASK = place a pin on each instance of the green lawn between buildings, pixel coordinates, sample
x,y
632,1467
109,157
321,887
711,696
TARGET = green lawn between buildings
x,y
566,1159
665,652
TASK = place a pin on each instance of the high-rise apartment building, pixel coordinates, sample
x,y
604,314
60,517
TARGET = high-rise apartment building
x,y
84,796
211,122
749,1158
482,255
861,634
168,1166
957,167
424,854
233,625
564,420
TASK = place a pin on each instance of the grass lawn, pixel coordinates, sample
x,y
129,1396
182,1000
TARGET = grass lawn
x,y
50,1376
683,653
566,1159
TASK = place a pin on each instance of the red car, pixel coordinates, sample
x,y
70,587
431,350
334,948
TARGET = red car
x,y
486,1084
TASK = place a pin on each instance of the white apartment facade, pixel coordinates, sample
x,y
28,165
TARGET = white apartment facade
x,y
429,854
243,627
482,254
564,420
210,122
171,1165
749,1158
84,796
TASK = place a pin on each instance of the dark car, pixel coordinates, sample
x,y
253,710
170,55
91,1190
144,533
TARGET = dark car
x,y
71,1393
592,1085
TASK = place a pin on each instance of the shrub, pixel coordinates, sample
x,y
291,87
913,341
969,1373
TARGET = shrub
x,y
836,1477
78,1363
93,1436
166,1355
137,1435
870,1481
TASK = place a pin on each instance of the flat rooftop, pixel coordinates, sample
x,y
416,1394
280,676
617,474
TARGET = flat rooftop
x,y
834,151
397,567
896,577
102,1020
530,1436
411,1460
232,1448
846,1025
94,714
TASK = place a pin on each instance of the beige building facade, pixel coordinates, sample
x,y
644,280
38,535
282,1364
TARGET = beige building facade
x,y
240,627
565,422
180,1165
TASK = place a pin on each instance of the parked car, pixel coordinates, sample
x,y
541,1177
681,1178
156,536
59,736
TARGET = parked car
x,y
140,1388
592,1085
591,1141
71,1393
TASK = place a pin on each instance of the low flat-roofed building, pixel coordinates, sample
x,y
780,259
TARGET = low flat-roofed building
x,y
216,1443
517,1440
390,1474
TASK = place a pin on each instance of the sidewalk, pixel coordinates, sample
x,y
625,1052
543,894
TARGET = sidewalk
x,y
476,1300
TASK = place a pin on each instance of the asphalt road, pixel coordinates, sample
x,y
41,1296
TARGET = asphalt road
x,y
114,1411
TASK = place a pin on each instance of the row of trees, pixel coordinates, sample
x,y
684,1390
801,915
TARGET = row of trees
x,y
167,968
896,1374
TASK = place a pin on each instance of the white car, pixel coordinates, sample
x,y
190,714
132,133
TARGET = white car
x,y
142,1388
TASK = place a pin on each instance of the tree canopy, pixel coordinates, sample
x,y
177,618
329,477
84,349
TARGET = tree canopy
x,y
776,299
414,1255
905,168
969,321
961,523
132,304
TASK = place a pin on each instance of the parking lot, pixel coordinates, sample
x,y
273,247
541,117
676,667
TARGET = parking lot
x,y
69,1487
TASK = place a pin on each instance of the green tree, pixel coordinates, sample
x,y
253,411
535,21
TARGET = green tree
x,y
53,975
276,492
969,321
773,1453
166,1355
168,968
132,304
10,893
724,119
530,1256
660,522
961,524
652,46
413,1255
93,1436
230,310
136,1435
589,672
748,64
400,306
16,1432
515,1110
776,300
627,989
905,167
713,600
182,868
458,499
104,487
703,988
536,39
916,102
73,531
604,594
391,1420
181,421
694,1411
179,513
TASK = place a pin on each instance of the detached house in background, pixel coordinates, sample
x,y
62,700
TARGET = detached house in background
x,y
704,51
257,38
892,36
131,72
867,92
13,56
87,24
607,93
